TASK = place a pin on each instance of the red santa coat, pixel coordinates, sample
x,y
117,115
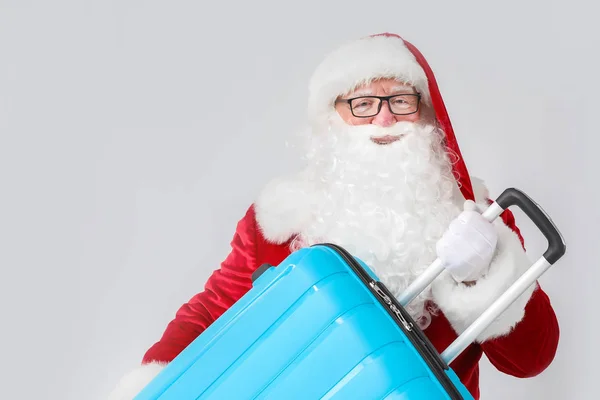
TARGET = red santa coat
x,y
525,352
521,342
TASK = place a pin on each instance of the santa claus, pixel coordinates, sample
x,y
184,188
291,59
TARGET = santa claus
x,y
385,179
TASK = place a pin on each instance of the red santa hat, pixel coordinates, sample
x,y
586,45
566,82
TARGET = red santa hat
x,y
378,56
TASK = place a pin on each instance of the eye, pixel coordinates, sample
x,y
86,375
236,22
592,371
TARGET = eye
x,y
363,103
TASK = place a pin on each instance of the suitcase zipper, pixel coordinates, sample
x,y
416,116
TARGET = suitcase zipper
x,y
416,336
407,325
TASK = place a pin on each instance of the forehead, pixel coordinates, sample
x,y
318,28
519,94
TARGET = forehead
x,y
382,87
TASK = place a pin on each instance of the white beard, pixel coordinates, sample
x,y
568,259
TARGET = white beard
x,y
386,204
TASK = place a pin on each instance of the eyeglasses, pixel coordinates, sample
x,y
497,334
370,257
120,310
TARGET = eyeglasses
x,y
369,106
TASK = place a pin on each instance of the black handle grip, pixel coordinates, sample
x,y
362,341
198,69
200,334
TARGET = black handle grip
x,y
556,245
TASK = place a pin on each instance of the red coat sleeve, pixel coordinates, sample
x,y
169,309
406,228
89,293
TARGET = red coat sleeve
x,y
224,287
531,346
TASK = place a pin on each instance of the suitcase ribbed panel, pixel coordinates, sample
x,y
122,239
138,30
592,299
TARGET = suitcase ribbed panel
x,y
308,329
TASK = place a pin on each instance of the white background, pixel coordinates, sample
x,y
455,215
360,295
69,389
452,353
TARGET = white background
x,y
134,134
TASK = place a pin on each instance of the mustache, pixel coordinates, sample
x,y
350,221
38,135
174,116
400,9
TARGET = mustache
x,y
397,129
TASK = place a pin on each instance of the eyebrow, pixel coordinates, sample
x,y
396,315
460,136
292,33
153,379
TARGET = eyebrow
x,y
402,90
361,92
395,90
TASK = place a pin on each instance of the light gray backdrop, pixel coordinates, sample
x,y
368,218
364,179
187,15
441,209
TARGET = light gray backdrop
x,y
134,134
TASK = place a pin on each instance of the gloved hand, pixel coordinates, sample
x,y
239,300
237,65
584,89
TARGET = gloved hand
x,y
468,246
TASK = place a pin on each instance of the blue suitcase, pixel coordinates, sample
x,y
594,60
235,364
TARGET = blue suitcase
x,y
320,325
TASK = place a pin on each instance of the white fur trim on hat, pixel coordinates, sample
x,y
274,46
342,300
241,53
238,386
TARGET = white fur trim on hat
x,y
358,62
133,382
462,304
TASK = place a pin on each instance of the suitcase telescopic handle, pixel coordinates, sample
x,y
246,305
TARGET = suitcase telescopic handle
x,y
556,249
556,244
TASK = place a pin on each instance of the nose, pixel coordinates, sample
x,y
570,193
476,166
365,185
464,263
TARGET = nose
x,y
385,117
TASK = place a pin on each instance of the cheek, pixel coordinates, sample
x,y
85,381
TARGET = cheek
x,y
358,121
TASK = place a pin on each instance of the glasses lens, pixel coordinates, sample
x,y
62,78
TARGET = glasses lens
x,y
404,104
365,106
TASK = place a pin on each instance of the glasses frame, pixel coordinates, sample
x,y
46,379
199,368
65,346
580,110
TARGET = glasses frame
x,y
381,100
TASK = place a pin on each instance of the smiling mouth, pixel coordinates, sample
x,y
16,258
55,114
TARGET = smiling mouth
x,y
383,140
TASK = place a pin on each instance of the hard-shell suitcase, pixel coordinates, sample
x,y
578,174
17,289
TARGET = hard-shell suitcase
x,y
320,325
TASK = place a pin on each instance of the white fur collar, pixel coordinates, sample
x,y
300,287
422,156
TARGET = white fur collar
x,y
285,206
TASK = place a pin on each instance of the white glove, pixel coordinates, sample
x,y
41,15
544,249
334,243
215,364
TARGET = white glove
x,y
468,246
